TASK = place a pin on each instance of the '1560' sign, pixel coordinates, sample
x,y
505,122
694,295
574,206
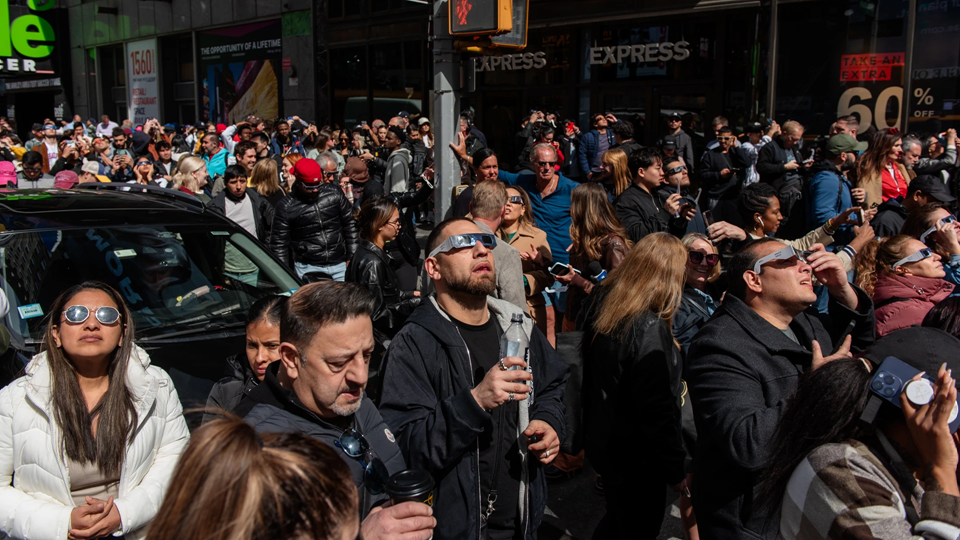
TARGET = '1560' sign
x,y
142,62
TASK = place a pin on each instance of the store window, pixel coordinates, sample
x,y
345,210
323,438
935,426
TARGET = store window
x,y
348,69
549,59
396,71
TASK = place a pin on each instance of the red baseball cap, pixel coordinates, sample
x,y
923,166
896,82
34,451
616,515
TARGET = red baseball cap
x,y
308,171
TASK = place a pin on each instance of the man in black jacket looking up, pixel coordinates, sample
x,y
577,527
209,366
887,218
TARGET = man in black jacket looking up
x,y
724,171
744,364
639,208
457,410
313,226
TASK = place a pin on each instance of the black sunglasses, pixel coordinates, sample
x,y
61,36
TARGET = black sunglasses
x,y
375,474
543,164
697,257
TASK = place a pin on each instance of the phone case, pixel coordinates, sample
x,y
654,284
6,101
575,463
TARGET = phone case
x,y
891,377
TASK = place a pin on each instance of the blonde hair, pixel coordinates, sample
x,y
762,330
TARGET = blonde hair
x,y
621,170
233,484
592,219
688,241
264,177
649,280
489,198
185,169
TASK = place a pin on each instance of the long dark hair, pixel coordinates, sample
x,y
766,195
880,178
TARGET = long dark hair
x,y
945,316
117,415
825,408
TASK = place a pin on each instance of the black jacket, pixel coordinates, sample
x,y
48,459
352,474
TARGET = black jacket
x,y
631,400
318,231
370,267
228,391
690,318
770,164
288,415
262,211
714,161
889,219
741,371
408,202
641,214
426,399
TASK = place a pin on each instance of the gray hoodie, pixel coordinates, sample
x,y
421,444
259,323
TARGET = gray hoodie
x,y
397,177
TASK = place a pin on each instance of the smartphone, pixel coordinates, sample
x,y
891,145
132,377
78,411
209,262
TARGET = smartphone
x,y
708,217
859,214
71,143
559,269
892,377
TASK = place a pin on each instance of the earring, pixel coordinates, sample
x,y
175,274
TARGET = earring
x,y
760,219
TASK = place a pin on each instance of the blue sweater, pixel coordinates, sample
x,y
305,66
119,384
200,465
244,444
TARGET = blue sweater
x,y
552,212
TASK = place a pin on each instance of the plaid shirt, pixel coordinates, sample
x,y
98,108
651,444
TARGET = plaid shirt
x,y
844,491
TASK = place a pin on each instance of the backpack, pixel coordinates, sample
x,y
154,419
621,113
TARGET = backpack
x,y
418,161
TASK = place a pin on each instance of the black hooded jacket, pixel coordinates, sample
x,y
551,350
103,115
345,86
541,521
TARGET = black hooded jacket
x,y
370,267
317,230
889,219
227,393
428,376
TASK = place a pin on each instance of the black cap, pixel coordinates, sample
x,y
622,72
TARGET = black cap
x,y
931,186
923,348
673,115
669,144
753,127
36,127
404,114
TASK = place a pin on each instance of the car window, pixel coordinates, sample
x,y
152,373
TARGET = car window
x,y
172,277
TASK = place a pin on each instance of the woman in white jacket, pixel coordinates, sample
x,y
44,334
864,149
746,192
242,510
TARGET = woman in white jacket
x,y
90,436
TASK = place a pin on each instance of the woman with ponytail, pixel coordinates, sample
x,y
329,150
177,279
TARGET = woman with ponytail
x,y
840,474
904,278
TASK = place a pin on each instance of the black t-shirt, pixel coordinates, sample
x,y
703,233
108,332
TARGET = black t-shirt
x,y
483,342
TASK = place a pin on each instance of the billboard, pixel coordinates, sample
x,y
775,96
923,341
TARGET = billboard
x,y
142,85
240,72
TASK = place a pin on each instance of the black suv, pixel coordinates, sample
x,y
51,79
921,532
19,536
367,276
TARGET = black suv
x,y
161,249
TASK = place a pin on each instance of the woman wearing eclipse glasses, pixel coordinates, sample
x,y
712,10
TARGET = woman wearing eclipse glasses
x,y
939,230
113,421
905,279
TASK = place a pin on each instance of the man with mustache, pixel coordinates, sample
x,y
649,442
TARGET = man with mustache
x,y
743,366
317,389
461,410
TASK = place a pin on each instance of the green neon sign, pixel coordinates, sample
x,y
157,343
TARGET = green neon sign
x,y
29,35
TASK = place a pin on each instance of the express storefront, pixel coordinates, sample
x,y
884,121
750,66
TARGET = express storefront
x,y
640,71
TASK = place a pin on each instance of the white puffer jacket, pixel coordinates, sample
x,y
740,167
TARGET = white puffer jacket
x,y
35,501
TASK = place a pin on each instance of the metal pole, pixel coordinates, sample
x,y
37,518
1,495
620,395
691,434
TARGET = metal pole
x,y
908,68
446,122
772,61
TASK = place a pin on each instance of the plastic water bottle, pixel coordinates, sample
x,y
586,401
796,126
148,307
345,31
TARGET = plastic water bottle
x,y
514,342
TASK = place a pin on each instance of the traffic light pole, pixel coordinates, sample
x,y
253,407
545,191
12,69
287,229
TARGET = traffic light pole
x,y
446,120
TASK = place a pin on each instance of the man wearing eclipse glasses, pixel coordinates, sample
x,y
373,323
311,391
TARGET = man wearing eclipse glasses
x,y
744,364
459,409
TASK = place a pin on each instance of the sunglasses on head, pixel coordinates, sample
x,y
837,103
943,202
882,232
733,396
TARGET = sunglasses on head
x,y
697,257
515,199
918,256
375,474
781,255
78,314
931,230
459,241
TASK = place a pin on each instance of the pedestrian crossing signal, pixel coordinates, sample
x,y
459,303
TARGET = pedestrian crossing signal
x,y
480,17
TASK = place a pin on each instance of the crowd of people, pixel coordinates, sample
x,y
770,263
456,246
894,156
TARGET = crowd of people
x,y
776,348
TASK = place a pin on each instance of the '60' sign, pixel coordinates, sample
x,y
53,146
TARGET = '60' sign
x,y
142,62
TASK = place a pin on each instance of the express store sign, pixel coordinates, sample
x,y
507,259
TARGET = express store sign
x,y
664,51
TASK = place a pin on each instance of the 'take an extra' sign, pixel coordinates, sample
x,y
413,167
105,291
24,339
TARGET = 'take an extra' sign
x,y
29,36
868,67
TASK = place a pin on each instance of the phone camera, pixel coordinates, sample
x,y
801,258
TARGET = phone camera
x,y
887,384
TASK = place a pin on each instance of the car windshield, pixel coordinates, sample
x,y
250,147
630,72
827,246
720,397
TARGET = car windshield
x,y
175,278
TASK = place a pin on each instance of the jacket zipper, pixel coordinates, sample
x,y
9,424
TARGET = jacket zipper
x,y
323,232
476,444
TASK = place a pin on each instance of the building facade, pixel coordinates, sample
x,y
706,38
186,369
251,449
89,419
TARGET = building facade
x,y
343,61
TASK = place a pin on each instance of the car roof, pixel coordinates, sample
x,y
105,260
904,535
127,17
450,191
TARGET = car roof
x,y
101,205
